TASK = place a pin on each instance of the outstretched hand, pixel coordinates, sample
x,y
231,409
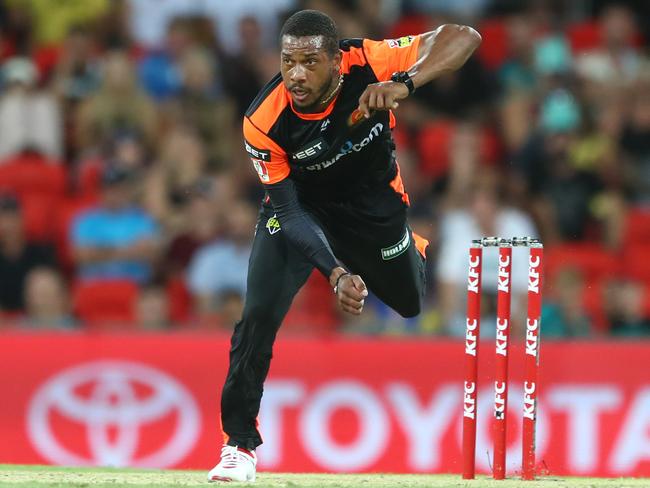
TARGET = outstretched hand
x,y
382,96
351,294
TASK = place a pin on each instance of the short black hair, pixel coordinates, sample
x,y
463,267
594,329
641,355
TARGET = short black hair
x,y
313,23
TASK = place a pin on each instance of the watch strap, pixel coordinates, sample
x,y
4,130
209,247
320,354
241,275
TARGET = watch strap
x,y
404,77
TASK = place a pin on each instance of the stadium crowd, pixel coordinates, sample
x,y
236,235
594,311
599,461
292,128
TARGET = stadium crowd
x,y
127,200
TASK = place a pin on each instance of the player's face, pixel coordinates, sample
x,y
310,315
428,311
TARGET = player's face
x,y
309,72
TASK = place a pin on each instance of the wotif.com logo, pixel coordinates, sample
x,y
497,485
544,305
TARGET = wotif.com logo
x,y
347,148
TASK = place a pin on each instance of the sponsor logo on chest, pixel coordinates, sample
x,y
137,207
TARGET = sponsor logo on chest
x,y
348,147
310,150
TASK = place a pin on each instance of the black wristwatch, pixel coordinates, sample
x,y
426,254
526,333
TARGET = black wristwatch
x,y
403,77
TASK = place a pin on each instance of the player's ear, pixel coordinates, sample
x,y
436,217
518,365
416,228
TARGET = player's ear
x,y
336,61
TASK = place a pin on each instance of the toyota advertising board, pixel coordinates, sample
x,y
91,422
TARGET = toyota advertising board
x,y
332,405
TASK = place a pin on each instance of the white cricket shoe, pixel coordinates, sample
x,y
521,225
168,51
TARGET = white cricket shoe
x,y
237,464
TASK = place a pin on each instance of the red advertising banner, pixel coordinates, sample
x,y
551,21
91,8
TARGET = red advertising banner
x,y
330,405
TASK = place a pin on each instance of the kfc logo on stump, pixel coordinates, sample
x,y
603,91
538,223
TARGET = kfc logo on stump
x,y
122,413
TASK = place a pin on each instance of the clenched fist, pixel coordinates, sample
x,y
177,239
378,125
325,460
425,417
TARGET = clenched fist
x,y
382,96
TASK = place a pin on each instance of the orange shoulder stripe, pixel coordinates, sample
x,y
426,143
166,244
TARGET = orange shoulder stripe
x,y
270,109
353,57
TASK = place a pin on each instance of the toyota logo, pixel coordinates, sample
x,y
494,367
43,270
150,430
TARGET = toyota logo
x,y
110,404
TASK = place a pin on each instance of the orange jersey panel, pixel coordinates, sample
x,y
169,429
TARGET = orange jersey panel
x,y
390,55
269,159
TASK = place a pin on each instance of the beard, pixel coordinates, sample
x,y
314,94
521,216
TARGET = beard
x,y
320,94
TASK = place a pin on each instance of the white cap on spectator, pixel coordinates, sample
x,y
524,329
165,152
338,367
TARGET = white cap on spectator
x,y
19,70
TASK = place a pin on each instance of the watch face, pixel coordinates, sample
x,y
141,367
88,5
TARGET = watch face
x,y
398,76
403,77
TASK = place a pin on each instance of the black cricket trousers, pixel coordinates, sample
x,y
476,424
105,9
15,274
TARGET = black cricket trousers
x,y
368,234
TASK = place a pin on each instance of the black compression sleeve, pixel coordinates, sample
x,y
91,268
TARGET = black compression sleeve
x,y
299,227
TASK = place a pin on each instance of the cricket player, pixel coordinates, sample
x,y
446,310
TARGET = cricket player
x,y
319,136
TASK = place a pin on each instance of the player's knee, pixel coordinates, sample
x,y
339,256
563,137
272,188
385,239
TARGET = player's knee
x,y
410,309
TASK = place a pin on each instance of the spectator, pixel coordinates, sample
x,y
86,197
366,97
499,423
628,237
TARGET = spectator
x,y
118,105
201,104
247,69
152,309
124,150
482,213
159,70
151,20
47,304
464,93
180,168
226,20
54,19
231,306
617,62
115,239
563,313
624,305
561,190
30,119
202,218
635,145
226,311
223,265
77,74
17,256
517,73
16,37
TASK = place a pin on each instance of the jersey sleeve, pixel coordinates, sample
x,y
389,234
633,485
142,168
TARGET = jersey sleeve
x,y
390,55
269,159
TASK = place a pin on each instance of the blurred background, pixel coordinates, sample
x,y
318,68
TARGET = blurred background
x,y
128,205
127,200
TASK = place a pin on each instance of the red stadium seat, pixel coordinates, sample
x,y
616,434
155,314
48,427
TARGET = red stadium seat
x,y
494,47
588,36
593,261
89,178
646,300
106,303
637,227
592,300
314,309
636,262
27,175
40,185
409,25
180,300
39,216
433,142
584,36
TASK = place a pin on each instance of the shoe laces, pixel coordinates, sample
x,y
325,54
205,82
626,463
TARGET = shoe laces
x,y
231,456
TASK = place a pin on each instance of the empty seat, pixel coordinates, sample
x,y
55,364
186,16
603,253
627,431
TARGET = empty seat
x,y
636,262
180,300
637,227
433,142
27,175
106,303
593,261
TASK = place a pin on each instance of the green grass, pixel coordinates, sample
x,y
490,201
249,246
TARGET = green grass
x,y
50,477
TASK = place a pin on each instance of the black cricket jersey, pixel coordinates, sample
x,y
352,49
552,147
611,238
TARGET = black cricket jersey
x,y
308,160
337,152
